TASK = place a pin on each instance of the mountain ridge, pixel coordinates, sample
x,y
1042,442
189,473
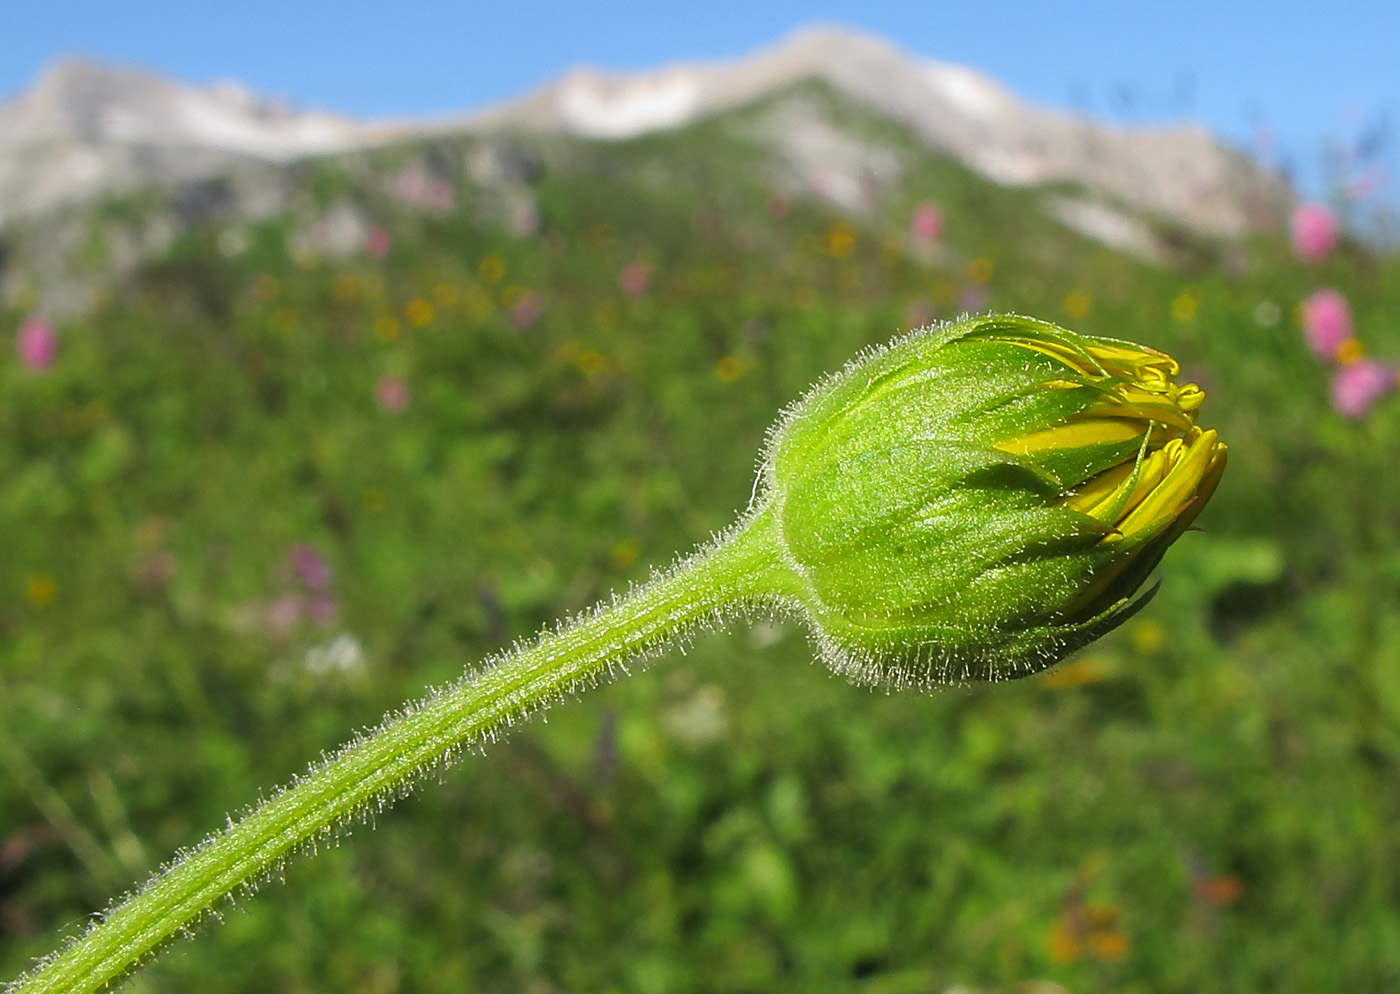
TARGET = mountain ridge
x,y
1179,172
85,130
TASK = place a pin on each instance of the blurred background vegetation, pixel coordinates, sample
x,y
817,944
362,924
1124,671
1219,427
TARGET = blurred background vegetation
x,y
266,491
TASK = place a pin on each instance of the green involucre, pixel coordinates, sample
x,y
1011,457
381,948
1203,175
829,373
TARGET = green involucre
x,y
921,551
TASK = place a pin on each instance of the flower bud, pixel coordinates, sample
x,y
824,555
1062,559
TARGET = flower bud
x,y
977,500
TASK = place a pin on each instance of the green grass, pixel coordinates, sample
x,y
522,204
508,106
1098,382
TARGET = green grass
x,y
1203,802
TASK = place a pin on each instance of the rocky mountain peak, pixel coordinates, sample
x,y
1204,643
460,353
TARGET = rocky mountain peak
x,y
1180,173
87,129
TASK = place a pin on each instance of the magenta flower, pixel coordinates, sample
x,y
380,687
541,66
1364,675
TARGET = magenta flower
x,y
1326,322
392,394
309,566
37,344
1314,232
322,609
635,277
527,310
1357,386
927,224
378,242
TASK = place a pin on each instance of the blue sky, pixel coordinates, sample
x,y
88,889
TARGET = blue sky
x,y
1310,72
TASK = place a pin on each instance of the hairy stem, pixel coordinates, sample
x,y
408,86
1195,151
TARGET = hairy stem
x,y
374,770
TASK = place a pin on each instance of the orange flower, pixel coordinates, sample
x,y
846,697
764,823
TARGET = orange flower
x,y
1219,892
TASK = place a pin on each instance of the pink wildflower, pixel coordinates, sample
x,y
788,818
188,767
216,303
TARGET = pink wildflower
x,y
927,224
309,566
1326,322
527,310
392,394
1357,386
36,344
1314,232
377,242
322,608
635,277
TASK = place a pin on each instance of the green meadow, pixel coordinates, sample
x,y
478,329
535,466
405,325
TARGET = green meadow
x,y
262,496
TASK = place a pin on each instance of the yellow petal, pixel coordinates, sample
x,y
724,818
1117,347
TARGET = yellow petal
x,y
1209,481
1101,491
1200,465
1077,435
1170,405
1190,398
1106,359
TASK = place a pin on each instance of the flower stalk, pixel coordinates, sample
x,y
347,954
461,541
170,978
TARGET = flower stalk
x,y
972,502
366,773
